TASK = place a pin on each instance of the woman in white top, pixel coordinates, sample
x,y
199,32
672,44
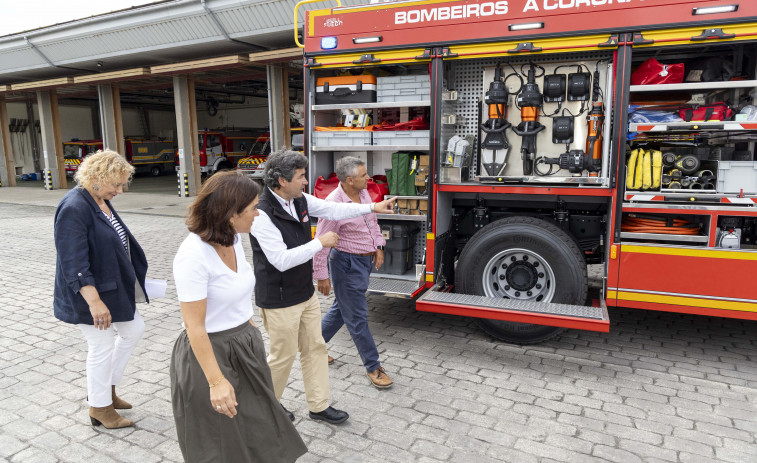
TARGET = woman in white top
x,y
221,388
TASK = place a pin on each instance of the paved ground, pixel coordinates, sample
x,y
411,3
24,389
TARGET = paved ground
x,y
658,388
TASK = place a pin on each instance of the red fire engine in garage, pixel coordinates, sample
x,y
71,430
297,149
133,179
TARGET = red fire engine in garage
x,y
76,150
153,156
221,150
540,137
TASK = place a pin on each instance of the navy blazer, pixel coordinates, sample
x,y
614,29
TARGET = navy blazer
x,y
90,252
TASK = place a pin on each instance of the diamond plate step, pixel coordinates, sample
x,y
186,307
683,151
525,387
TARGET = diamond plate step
x,y
392,288
541,313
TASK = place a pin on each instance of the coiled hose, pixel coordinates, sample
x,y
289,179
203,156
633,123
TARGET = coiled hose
x,y
660,225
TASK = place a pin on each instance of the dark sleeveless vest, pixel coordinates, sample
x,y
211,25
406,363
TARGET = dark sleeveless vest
x,y
275,289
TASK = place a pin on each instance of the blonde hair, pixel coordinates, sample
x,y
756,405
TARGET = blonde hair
x,y
103,166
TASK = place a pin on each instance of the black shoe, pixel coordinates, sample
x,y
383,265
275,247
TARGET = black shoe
x,y
330,415
289,414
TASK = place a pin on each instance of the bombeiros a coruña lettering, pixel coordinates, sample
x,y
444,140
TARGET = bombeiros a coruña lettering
x,y
502,7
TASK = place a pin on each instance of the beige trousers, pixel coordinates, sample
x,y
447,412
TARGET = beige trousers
x,y
298,328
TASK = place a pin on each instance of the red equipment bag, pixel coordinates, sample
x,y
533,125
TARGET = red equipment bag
x,y
652,72
323,187
709,112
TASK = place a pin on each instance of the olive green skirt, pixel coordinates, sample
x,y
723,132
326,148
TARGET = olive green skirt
x,y
261,430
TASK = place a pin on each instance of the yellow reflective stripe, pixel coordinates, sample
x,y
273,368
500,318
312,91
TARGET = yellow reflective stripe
x,y
692,252
348,10
670,37
688,301
392,56
583,43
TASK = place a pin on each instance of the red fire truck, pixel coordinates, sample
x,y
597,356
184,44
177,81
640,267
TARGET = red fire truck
x,y
76,150
147,156
559,135
221,150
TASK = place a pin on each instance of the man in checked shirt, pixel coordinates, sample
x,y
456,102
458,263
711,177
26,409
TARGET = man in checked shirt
x,y
360,246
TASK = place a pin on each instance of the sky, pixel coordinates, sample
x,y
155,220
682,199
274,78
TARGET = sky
x,y
23,15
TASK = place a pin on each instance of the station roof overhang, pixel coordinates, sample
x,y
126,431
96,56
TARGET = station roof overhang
x,y
157,38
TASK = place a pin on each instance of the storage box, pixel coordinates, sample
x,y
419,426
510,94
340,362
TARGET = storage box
x,y
423,205
345,89
404,88
397,261
418,138
400,243
342,138
399,234
737,176
420,178
423,160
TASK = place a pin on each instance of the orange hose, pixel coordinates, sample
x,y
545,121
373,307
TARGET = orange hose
x,y
658,226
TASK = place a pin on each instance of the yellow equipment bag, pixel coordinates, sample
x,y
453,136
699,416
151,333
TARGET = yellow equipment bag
x,y
646,171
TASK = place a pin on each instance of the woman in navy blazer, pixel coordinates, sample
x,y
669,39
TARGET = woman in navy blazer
x,y
99,277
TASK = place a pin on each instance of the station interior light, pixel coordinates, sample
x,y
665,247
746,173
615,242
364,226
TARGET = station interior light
x,y
715,9
525,26
358,40
328,43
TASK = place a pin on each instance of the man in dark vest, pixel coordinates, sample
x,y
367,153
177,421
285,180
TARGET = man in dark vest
x,y
282,255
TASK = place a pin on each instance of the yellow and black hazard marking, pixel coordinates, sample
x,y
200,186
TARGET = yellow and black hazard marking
x,y
251,161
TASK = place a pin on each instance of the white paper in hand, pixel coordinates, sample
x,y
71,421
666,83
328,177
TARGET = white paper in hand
x,y
155,288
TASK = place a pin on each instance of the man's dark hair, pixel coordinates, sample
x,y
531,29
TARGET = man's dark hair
x,y
223,195
283,163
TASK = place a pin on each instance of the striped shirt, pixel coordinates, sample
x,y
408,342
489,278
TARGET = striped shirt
x,y
359,235
119,229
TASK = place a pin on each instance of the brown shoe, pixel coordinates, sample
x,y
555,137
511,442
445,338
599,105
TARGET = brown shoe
x,y
119,403
379,378
331,360
108,417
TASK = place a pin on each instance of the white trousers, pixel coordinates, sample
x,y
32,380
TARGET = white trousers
x,y
107,357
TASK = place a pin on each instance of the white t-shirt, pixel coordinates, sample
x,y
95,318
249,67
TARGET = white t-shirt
x,y
200,274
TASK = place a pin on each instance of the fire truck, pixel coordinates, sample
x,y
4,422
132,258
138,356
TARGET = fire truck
x,y
147,156
221,150
76,150
253,164
545,138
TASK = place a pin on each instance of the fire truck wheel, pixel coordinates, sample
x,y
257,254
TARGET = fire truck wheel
x,y
525,258
156,171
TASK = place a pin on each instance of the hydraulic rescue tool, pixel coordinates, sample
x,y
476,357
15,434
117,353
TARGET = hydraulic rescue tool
x,y
596,121
529,100
576,161
496,139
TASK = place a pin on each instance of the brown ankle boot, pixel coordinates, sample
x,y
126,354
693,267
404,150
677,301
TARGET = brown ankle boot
x,y
119,403
108,417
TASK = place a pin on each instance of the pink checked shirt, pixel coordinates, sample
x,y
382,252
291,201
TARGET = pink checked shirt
x,y
356,236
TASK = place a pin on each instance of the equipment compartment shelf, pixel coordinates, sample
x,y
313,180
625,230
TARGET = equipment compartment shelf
x,y
662,237
695,86
384,104
692,126
407,217
371,148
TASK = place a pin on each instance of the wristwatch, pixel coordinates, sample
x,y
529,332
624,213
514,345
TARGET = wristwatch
x,y
379,248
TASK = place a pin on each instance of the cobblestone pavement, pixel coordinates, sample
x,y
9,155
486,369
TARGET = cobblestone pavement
x,y
658,388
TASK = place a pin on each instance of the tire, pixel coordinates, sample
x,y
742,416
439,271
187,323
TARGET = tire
x,y
542,263
156,171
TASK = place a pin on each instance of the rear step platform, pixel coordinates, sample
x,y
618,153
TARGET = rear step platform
x,y
540,313
393,288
